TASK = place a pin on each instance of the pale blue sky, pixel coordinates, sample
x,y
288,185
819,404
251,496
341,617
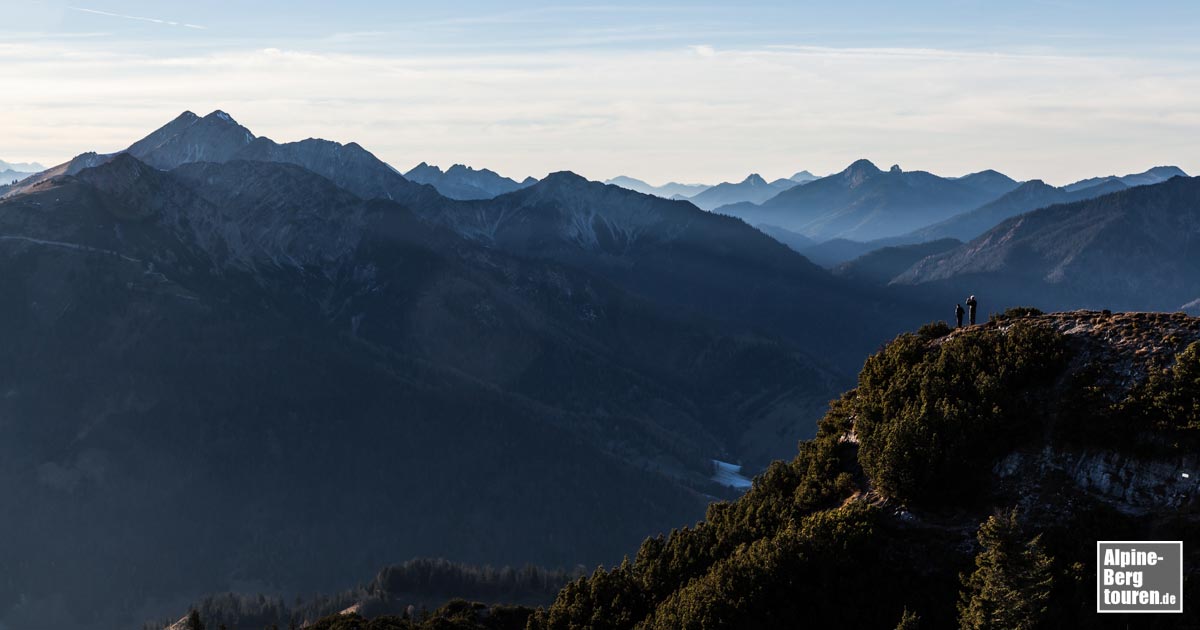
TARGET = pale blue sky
x,y
699,91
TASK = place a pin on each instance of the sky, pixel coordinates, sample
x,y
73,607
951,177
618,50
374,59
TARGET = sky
x,y
663,91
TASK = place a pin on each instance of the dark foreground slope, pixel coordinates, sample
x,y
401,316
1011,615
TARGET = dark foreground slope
x,y
962,484
1066,428
240,374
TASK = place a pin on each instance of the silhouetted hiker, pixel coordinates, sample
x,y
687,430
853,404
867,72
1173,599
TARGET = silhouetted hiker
x,y
958,313
971,309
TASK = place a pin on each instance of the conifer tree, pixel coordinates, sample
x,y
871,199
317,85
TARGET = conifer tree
x,y
909,620
193,621
1012,579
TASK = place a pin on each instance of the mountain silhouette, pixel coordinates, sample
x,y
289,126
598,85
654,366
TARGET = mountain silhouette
x,y
666,191
753,189
863,203
464,182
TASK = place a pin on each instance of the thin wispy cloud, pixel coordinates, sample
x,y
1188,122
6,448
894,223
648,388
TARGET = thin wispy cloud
x,y
137,18
698,112
703,92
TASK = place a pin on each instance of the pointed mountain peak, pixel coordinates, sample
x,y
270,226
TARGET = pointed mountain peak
x,y
754,179
219,115
803,176
565,185
214,138
564,178
863,166
860,171
423,173
1033,184
529,181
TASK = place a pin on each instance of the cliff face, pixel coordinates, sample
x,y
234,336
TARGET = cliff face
x,y
1133,485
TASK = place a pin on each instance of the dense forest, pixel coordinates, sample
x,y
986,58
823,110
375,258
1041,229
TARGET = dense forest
x,y
415,591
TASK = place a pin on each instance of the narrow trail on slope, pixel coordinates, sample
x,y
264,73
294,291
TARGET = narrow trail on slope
x,y
74,246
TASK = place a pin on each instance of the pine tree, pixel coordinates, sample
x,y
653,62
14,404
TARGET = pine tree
x,y
909,621
1012,579
193,621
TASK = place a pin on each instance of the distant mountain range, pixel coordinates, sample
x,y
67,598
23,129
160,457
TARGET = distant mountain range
x,y
21,167
1155,175
9,177
666,191
10,172
674,255
864,203
1133,249
753,189
218,138
464,182
1030,195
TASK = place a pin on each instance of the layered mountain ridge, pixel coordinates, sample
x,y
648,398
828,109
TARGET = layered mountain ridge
x,y
251,345
864,203
463,182
1135,248
753,189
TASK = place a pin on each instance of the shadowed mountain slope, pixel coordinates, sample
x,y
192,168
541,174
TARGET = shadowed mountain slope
x,y
881,265
199,356
684,260
1136,248
1028,196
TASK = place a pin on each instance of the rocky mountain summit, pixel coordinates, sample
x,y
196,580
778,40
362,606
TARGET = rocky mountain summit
x,y
463,182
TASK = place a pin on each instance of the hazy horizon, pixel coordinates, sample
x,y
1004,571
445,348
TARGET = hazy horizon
x,y
698,94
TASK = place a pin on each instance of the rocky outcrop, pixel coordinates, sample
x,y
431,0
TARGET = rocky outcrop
x,y
1132,485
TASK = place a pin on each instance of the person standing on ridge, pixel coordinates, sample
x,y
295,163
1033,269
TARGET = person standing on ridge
x,y
971,309
958,313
